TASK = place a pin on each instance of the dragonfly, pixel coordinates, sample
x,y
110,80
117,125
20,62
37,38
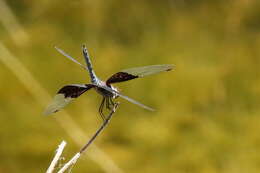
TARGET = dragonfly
x,y
105,88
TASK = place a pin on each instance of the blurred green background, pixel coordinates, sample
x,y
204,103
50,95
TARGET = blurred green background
x,y
208,113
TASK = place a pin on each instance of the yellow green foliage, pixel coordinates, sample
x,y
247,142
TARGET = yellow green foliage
x,y
207,110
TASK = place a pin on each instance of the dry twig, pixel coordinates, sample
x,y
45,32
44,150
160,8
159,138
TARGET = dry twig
x,y
74,159
56,157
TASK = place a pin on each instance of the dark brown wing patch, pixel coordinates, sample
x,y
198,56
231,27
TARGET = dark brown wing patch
x,y
74,91
120,77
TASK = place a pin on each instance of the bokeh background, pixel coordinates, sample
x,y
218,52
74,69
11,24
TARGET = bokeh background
x,y
208,113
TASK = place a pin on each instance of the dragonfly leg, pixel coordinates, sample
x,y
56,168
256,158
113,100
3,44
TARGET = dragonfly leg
x,y
107,103
111,101
101,107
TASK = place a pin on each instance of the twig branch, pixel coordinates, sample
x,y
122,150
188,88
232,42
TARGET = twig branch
x,y
74,159
100,129
70,163
56,157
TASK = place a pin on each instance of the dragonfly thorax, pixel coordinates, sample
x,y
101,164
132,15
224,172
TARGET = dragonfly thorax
x,y
105,92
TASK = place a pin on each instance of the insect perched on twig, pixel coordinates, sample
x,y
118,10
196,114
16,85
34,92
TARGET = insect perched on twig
x,y
69,92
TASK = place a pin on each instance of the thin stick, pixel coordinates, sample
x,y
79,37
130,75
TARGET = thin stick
x,y
84,148
70,163
56,157
100,129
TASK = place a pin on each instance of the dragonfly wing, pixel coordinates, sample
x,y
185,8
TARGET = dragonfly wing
x,y
69,57
138,72
134,102
125,97
64,96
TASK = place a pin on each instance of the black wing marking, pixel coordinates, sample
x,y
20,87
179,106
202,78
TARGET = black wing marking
x,y
120,77
138,72
65,95
73,91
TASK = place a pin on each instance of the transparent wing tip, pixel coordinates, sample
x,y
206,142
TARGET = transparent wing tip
x,y
50,110
169,67
58,49
150,109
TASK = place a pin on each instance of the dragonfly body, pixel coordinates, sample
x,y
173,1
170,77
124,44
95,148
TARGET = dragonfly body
x,y
69,92
92,74
99,86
